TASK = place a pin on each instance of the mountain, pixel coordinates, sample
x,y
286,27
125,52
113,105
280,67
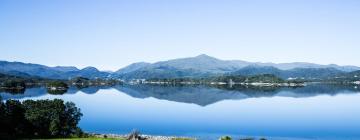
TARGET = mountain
x,y
313,72
65,68
88,72
204,65
199,66
288,66
31,69
292,73
132,67
16,73
346,77
162,72
257,70
59,72
354,73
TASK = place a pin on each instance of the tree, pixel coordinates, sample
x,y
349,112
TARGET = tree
x,y
14,118
56,92
225,138
72,118
52,118
3,124
57,87
14,84
57,84
41,118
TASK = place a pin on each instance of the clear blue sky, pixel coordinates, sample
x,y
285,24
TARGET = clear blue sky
x,y
110,34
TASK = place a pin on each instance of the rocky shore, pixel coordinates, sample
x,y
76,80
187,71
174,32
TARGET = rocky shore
x,y
137,136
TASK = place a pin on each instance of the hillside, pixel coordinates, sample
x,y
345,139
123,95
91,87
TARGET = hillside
x,y
59,72
204,66
304,73
192,67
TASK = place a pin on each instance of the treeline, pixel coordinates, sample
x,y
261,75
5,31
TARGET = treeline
x,y
60,87
10,81
39,119
18,84
82,82
348,78
225,79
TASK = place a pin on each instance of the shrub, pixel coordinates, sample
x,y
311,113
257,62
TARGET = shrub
x,y
225,138
42,118
58,84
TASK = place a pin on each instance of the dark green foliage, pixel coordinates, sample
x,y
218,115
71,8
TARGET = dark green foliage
x,y
225,138
228,79
3,120
344,78
13,91
12,80
58,84
306,73
57,92
14,84
82,82
12,119
57,87
265,78
247,139
41,119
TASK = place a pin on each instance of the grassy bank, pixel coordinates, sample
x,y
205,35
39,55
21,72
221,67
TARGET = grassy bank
x,y
87,139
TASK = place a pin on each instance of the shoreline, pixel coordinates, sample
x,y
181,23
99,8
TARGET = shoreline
x,y
142,136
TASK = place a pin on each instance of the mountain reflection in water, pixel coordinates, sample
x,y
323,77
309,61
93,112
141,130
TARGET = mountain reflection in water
x,y
200,94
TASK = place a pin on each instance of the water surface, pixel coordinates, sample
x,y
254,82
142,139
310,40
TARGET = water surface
x,y
312,112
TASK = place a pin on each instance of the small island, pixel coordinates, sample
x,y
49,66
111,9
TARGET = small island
x,y
13,85
57,85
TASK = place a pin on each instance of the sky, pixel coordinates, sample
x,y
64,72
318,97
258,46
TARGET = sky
x,y
110,34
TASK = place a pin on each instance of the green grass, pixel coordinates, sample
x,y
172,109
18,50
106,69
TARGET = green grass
x,y
86,139
181,139
94,138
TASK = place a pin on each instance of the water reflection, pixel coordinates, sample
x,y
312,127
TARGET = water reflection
x,y
198,94
209,112
42,91
205,95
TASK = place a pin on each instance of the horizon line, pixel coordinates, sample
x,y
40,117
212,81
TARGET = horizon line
x,y
200,55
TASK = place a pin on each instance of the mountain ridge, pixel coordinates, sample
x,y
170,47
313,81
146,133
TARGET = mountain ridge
x,y
57,72
198,66
283,66
204,65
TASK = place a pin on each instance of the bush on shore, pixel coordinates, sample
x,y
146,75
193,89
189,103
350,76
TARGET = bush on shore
x,y
39,119
225,138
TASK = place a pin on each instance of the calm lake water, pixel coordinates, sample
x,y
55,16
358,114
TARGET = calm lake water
x,y
312,112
